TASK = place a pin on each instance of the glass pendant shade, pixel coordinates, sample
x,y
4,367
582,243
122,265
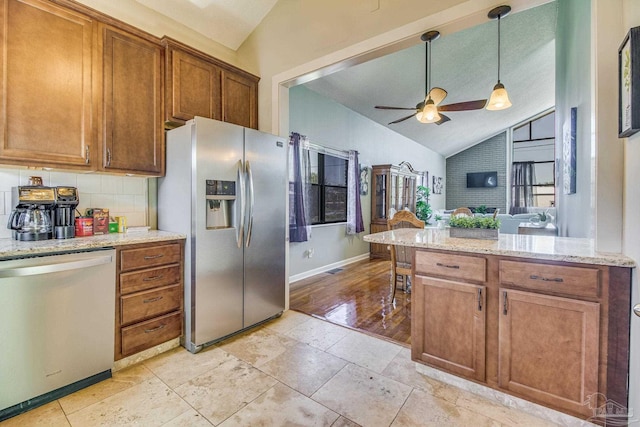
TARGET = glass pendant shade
x,y
499,98
429,114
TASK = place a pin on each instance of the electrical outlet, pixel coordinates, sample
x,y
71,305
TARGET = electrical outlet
x,y
310,253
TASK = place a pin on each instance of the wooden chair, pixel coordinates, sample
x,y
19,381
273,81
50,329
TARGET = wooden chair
x,y
401,256
462,212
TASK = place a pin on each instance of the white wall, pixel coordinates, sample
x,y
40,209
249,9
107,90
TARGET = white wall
x,y
573,89
123,195
630,13
328,123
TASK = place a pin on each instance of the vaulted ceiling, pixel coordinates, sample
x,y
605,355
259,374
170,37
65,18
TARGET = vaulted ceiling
x,y
463,63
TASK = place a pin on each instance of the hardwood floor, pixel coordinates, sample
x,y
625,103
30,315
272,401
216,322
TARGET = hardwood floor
x,y
356,296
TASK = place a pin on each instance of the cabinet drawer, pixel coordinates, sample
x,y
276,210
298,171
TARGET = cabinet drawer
x,y
131,259
150,278
153,332
451,266
575,281
144,305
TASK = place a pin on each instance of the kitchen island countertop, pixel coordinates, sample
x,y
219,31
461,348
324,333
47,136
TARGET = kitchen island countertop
x,y
566,249
10,248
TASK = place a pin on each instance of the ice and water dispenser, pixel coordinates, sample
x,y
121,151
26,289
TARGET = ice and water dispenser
x,y
221,198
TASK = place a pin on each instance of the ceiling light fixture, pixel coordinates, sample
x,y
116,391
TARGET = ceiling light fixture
x,y
499,97
429,113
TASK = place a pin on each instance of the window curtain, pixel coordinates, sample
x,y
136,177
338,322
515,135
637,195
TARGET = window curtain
x,y
299,189
522,180
355,224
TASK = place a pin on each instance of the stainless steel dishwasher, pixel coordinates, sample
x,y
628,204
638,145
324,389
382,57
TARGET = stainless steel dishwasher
x,y
57,317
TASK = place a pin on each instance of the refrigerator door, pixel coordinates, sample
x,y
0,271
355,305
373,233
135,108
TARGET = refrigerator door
x,y
264,283
217,261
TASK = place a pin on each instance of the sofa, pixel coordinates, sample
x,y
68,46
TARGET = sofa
x,y
508,223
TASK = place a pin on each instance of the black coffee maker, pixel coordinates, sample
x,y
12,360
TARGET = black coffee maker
x,y
31,218
63,219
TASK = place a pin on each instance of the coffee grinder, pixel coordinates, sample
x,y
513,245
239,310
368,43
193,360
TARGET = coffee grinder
x,y
64,212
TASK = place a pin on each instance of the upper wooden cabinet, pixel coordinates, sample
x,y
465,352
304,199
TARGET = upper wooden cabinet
x,y
46,78
239,99
200,85
132,103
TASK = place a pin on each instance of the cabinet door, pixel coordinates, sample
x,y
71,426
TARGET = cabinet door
x,y
133,132
239,100
548,349
45,113
449,332
194,88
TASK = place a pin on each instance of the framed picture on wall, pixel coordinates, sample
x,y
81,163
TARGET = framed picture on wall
x,y
569,153
437,185
364,180
628,88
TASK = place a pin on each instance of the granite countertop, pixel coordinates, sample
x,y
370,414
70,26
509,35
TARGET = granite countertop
x,y
567,249
10,248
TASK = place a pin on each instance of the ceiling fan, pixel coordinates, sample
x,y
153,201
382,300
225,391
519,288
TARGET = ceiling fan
x,y
428,110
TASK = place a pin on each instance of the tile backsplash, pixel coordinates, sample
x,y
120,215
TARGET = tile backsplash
x,y
122,195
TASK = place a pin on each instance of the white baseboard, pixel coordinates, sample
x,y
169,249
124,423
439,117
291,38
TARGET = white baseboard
x,y
309,273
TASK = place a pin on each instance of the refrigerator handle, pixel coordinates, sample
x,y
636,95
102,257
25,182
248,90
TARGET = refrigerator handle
x,y
240,235
252,200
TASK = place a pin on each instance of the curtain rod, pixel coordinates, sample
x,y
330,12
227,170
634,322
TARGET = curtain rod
x,y
344,154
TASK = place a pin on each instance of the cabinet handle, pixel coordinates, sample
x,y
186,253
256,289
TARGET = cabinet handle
x,y
152,278
636,309
479,299
86,154
504,303
108,157
154,256
439,264
147,331
546,279
152,300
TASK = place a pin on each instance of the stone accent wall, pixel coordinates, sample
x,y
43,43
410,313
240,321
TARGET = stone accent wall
x,y
487,156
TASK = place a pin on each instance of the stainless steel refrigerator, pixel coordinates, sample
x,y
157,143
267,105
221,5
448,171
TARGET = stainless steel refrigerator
x,y
225,188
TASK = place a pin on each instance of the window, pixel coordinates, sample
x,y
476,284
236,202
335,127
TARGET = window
x,y
534,142
328,188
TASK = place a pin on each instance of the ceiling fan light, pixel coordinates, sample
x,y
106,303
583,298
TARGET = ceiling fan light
x,y
499,98
429,114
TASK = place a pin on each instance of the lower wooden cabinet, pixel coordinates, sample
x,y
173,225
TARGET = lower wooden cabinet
x,y
554,333
548,348
149,296
452,332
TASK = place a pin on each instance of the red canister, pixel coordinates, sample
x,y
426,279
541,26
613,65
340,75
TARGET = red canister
x,y
84,226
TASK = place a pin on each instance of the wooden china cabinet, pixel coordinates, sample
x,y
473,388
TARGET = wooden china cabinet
x,y
394,186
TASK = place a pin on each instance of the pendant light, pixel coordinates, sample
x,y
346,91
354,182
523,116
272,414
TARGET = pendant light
x,y
429,112
499,97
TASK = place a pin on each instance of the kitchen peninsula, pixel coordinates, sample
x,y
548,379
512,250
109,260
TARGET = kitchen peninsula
x,y
542,318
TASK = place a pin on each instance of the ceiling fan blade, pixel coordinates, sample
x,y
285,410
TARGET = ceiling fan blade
x,y
443,119
384,107
437,94
402,119
464,106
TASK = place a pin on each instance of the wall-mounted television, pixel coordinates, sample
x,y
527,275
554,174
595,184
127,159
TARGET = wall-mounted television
x,y
482,179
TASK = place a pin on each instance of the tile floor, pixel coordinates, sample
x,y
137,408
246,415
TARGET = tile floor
x,y
293,371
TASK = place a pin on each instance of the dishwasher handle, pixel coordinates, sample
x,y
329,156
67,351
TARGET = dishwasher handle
x,y
55,267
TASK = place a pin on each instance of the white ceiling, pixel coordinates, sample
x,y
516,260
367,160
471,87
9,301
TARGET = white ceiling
x,y
464,64
228,22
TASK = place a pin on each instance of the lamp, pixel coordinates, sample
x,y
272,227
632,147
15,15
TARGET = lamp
x,y
429,112
499,97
